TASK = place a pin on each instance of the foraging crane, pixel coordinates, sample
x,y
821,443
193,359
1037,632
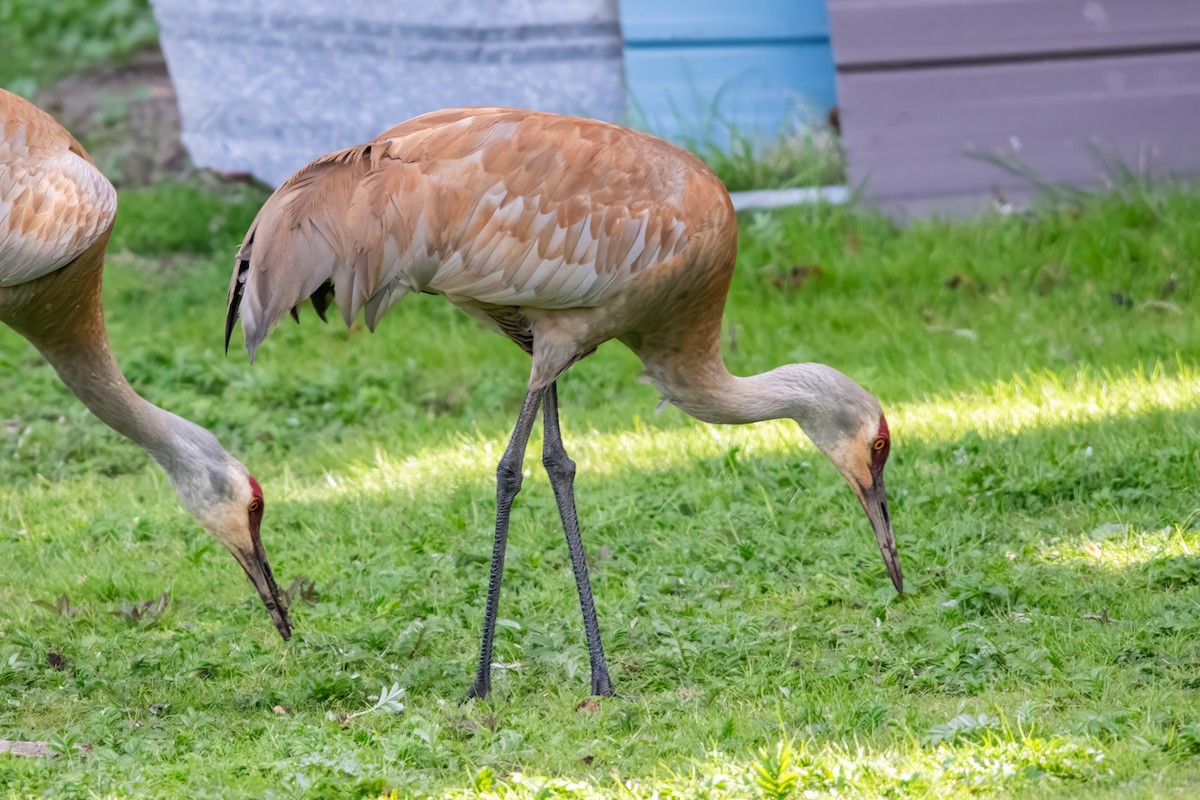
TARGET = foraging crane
x,y
560,233
56,214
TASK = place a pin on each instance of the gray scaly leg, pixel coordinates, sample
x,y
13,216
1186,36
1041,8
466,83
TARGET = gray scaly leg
x,y
508,483
561,470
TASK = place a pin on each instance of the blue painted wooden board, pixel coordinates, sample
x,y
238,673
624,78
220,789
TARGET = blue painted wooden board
x,y
722,20
699,91
695,68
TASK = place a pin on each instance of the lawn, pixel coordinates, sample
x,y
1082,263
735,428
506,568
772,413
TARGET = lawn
x,y
41,41
1040,380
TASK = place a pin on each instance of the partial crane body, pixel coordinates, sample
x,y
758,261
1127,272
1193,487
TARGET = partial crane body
x,y
56,214
560,233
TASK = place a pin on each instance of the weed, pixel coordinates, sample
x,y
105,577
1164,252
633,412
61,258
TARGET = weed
x,y
61,606
300,590
387,700
774,774
146,611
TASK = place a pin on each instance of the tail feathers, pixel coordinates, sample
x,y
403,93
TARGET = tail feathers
x,y
321,299
319,236
271,281
378,304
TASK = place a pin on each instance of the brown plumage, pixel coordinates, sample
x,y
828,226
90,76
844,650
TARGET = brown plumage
x,y
560,233
56,213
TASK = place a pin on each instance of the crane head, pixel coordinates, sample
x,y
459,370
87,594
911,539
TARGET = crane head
x,y
870,491
228,503
846,423
860,454
253,557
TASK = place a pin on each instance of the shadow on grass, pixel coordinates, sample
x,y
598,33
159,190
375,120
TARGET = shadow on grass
x,y
926,312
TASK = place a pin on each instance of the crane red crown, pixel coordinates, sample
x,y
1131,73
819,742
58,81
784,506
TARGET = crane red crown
x,y
879,457
256,510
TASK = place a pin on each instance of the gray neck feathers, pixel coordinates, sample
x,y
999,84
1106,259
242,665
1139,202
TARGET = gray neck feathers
x,y
187,452
826,403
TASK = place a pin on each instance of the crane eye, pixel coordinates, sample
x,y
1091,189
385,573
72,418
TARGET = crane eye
x,y
255,506
879,443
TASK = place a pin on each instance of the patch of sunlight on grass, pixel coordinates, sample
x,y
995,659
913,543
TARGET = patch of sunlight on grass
x,y
1118,546
997,761
1003,408
1044,399
473,460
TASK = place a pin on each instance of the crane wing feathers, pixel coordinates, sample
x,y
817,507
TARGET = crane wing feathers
x,y
51,210
489,207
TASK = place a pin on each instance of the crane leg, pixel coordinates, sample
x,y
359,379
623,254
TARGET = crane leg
x,y
561,470
508,483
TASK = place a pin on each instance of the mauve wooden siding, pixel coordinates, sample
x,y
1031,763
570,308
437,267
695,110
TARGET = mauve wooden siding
x,y
695,67
925,85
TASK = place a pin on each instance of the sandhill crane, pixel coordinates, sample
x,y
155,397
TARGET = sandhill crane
x,y
560,233
56,213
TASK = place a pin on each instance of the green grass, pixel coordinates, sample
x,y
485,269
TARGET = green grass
x,y
1043,482
803,152
797,158
47,39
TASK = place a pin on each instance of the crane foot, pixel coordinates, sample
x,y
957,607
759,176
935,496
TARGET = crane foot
x,y
602,686
478,691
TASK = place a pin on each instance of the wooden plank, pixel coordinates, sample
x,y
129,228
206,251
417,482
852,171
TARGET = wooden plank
x,y
663,21
879,32
908,134
698,91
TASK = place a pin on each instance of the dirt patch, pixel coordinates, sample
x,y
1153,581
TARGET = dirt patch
x,y
126,116
40,749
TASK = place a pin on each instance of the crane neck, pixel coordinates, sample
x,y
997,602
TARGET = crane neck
x,y
61,314
708,392
64,319
91,372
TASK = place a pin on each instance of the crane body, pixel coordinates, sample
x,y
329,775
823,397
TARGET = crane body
x,y
560,233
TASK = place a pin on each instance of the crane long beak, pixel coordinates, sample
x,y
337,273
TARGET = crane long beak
x,y
874,502
258,570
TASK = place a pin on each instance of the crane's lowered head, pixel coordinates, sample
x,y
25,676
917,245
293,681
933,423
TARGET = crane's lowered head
x,y
228,503
846,423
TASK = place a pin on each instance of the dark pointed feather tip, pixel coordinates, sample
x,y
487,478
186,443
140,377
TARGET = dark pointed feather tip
x,y
320,300
235,303
230,321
